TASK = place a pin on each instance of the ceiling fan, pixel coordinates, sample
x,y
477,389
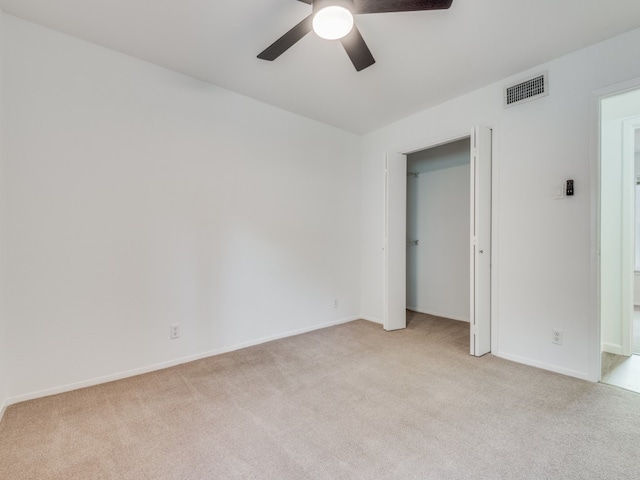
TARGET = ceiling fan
x,y
333,20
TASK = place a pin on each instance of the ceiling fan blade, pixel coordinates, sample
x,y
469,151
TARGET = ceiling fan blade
x,y
357,50
385,6
286,41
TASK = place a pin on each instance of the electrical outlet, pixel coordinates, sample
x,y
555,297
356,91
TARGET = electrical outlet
x,y
556,336
335,303
174,331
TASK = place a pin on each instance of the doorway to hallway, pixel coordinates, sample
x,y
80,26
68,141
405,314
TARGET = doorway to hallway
x,y
619,238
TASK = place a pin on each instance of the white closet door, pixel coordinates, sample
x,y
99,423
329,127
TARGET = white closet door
x,y
480,339
395,247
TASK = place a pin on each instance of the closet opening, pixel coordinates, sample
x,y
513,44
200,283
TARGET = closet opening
x,y
438,231
459,176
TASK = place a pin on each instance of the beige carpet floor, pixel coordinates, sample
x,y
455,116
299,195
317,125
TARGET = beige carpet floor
x,y
347,402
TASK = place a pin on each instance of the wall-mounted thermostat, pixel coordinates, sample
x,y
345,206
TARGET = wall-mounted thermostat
x,y
569,188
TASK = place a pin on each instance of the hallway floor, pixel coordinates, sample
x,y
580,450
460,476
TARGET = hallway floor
x,y
621,371
624,372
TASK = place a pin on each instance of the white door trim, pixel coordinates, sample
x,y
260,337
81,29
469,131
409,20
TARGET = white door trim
x,y
628,231
595,330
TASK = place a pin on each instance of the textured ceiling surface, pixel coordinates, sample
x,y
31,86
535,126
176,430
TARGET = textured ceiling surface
x,y
422,58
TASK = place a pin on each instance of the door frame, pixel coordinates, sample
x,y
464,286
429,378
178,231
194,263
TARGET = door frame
x,y
425,145
628,257
595,331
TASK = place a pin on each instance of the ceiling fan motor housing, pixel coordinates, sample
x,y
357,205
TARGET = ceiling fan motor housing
x,y
320,4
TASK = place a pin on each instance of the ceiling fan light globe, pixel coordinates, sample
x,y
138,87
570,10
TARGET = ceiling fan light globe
x,y
332,22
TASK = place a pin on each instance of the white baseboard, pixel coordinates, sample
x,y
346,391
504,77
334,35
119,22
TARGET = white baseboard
x,y
171,363
3,407
544,366
372,319
439,314
612,348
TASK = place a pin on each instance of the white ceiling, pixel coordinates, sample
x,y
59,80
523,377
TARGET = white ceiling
x,y
423,58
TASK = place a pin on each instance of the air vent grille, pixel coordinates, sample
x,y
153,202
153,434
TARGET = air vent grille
x,y
531,89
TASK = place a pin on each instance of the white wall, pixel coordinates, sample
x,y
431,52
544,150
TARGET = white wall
x,y
138,197
544,257
438,216
4,367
